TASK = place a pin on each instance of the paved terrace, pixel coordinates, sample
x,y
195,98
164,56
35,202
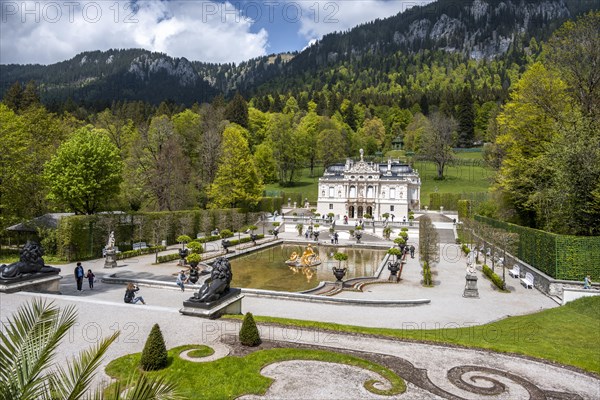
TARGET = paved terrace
x,y
101,311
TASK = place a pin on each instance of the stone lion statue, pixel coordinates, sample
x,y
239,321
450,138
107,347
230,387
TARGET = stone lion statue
x,y
30,262
217,285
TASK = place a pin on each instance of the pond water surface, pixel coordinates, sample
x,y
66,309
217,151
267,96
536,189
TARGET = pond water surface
x,y
266,269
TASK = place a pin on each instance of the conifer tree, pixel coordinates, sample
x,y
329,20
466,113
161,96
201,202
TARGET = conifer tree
x,y
237,111
154,355
249,335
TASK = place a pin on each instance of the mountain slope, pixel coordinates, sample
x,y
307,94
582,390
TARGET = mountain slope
x,y
381,57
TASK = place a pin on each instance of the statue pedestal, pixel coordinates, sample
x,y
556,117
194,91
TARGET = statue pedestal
x,y
471,287
231,303
39,283
111,259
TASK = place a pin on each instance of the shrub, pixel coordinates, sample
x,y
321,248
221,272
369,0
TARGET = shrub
x,y
404,235
404,229
194,258
465,249
399,241
249,335
387,232
226,233
496,280
183,239
300,228
154,355
252,228
427,281
195,247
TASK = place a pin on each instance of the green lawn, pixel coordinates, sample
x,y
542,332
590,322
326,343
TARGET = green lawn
x,y
568,335
237,376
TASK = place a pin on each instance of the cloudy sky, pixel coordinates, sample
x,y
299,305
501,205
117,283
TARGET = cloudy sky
x,y
48,31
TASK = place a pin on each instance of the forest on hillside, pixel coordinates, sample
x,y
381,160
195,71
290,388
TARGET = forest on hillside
x,y
539,122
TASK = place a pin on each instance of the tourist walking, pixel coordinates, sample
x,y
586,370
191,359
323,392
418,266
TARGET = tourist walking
x,y
412,251
181,280
130,294
335,237
587,282
91,278
79,276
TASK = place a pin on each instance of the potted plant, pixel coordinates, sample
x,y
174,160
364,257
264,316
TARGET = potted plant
x,y
300,228
193,259
340,272
183,239
394,266
400,242
195,247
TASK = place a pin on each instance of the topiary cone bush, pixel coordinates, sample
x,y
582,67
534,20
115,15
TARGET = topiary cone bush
x,y
249,335
154,355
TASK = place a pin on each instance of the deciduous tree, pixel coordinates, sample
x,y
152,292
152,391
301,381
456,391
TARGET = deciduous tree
x,y
237,182
436,142
85,173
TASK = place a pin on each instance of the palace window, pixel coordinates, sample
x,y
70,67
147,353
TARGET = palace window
x,y
370,192
331,206
331,191
352,191
392,193
391,208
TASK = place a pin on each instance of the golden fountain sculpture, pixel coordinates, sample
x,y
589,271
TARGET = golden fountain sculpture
x,y
308,259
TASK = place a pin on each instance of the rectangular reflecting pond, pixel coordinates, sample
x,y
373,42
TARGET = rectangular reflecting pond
x,y
266,269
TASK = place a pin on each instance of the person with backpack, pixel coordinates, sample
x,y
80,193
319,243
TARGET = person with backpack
x,y
412,251
130,294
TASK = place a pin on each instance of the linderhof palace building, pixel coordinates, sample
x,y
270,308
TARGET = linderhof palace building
x,y
358,188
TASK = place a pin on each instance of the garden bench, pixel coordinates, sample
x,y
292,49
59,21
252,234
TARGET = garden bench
x,y
515,272
528,280
139,246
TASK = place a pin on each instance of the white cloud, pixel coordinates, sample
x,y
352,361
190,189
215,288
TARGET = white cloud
x,y
50,31
338,16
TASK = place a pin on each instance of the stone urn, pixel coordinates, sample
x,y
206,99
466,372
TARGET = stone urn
x,y
183,253
225,243
339,273
394,267
194,274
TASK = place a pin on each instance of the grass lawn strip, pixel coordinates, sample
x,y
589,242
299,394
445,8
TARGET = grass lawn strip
x,y
238,376
201,352
566,335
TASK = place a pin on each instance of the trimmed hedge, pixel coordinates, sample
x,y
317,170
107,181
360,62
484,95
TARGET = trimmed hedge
x,y
168,257
450,201
464,209
465,249
487,271
244,240
81,237
270,204
135,253
560,256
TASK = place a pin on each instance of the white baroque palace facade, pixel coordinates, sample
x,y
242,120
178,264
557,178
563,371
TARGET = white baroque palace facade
x,y
358,188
